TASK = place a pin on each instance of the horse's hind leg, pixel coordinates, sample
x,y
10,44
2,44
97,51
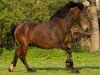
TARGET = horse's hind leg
x,y
24,50
16,56
21,53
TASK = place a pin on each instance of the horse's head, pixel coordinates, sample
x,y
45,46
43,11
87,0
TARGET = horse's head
x,y
73,12
80,16
83,20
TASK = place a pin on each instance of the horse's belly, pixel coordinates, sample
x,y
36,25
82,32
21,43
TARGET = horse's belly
x,y
42,38
44,44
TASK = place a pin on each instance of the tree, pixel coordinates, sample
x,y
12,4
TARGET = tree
x,y
98,4
95,26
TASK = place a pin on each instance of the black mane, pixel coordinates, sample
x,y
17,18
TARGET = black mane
x,y
65,9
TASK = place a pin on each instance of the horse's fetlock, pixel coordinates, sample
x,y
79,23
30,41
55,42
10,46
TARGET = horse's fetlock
x,y
69,63
11,68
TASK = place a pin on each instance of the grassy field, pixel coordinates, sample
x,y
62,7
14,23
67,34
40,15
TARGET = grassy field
x,y
51,62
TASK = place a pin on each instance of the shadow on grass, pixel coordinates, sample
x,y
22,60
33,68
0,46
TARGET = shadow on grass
x,y
59,69
88,67
66,69
50,68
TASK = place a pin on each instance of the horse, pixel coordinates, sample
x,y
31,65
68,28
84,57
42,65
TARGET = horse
x,y
54,33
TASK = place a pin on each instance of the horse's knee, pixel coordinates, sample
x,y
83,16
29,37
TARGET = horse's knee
x,y
69,61
17,53
68,50
24,50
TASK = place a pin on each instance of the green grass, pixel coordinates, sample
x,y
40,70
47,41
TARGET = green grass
x,y
51,62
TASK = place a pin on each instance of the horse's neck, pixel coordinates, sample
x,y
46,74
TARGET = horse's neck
x,y
70,17
63,23
68,20
66,23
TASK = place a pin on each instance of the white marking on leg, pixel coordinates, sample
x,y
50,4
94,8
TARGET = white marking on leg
x,y
11,68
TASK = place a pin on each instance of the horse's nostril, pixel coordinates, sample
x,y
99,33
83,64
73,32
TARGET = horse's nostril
x,y
86,28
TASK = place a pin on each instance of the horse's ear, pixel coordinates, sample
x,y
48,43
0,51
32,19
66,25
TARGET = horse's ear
x,y
74,8
86,4
86,7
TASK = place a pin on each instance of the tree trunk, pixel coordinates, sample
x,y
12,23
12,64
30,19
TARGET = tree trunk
x,y
95,27
97,3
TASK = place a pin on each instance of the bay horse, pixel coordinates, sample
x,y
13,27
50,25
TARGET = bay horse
x,y
55,33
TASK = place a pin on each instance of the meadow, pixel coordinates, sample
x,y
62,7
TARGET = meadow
x,y
51,62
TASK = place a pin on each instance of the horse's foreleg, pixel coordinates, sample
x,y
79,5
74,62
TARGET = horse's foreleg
x,y
69,61
23,58
16,56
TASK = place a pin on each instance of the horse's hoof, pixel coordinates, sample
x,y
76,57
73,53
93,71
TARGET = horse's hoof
x,y
75,70
31,70
11,68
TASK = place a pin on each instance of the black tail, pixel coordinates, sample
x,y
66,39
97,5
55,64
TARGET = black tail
x,y
13,30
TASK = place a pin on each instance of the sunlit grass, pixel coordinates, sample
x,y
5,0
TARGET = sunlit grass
x,y
51,62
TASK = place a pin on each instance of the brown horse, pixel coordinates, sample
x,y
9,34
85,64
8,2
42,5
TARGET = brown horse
x,y
53,34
